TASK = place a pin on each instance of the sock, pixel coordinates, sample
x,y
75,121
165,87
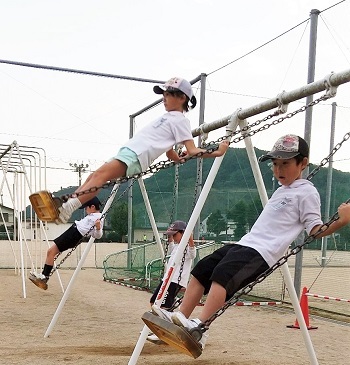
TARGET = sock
x,y
47,270
74,203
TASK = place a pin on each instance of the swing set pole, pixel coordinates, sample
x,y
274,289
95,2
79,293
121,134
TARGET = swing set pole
x,y
331,81
78,268
179,254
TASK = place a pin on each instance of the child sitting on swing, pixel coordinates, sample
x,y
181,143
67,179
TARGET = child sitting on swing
x,y
293,207
90,225
158,137
182,273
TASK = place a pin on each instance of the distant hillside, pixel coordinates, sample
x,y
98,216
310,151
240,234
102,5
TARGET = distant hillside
x,y
233,182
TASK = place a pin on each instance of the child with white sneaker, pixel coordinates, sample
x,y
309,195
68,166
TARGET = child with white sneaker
x,y
293,207
90,225
156,138
180,277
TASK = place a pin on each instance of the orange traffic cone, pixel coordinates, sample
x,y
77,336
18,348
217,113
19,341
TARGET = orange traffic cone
x,y
304,304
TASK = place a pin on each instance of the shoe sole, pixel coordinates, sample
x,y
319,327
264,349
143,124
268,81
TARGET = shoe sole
x,y
157,342
38,283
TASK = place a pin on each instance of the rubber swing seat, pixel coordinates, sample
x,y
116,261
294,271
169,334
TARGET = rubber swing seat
x,y
175,336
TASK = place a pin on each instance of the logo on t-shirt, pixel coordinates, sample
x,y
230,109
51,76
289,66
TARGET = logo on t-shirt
x,y
281,204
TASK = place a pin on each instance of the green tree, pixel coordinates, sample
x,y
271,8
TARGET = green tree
x,y
239,215
119,221
253,211
216,223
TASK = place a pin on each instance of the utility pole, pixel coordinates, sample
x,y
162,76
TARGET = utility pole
x,y
307,135
80,169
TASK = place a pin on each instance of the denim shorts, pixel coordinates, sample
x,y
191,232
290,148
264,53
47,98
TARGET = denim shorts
x,y
130,159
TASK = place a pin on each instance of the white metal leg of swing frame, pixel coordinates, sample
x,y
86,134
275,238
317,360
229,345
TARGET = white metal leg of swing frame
x,y
151,217
78,268
182,246
285,269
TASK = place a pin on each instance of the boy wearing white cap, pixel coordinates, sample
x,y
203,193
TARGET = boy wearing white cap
x,y
90,225
293,207
156,138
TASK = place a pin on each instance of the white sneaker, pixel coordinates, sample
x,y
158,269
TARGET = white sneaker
x,y
67,209
180,319
39,280
162,313
155,339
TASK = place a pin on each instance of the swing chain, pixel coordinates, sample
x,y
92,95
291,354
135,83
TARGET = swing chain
x,y
182,266
326,159
249,287
91,228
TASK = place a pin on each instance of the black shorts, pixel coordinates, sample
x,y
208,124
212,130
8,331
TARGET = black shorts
x,y
232,266
68,239
170,295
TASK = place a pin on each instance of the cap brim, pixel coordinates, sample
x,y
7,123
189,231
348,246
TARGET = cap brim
x,y
158,89
278,155
170,233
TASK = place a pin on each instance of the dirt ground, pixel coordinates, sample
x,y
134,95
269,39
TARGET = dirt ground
x,y
101,322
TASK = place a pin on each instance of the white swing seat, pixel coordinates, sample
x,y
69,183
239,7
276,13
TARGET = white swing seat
x,y
45,205
175,336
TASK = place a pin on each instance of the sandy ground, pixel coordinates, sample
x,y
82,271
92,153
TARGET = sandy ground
x,y
101,322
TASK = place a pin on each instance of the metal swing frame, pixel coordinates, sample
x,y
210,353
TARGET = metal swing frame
x,y
329,83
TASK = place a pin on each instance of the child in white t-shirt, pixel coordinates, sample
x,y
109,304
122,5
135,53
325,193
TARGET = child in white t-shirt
x,y
156,138
293,207
90,225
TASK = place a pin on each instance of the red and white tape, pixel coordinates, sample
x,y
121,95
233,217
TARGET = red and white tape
x,y
327,297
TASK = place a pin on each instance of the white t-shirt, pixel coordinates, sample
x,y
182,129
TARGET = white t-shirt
x,y
290,210
187,265
160,136
84,225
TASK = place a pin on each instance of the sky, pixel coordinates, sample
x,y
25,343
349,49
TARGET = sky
x,y
83,119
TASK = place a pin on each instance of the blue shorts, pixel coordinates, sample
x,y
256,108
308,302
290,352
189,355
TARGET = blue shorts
x,y
129,157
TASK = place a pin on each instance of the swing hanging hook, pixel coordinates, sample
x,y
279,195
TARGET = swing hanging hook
x,y
233,122
281,106
331,90
203,135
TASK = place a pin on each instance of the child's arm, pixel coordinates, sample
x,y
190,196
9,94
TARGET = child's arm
x,y
344,219
192,150
192,248
97,232
173,155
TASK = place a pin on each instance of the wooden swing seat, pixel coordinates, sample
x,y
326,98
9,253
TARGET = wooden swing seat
x,y
45,205
175,336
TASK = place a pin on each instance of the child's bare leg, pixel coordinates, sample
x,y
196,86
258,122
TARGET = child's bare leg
x,y
109,171
50,255
193,295
215,300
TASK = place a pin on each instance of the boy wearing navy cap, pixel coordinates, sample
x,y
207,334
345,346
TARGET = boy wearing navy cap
x,y
181,274
156,138
90,225
293,207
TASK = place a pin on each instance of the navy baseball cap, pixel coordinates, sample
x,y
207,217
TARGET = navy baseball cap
x,y
176,227
287,147
94,201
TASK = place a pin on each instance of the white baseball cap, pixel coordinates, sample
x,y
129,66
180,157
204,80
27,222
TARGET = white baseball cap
x,y
174,84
